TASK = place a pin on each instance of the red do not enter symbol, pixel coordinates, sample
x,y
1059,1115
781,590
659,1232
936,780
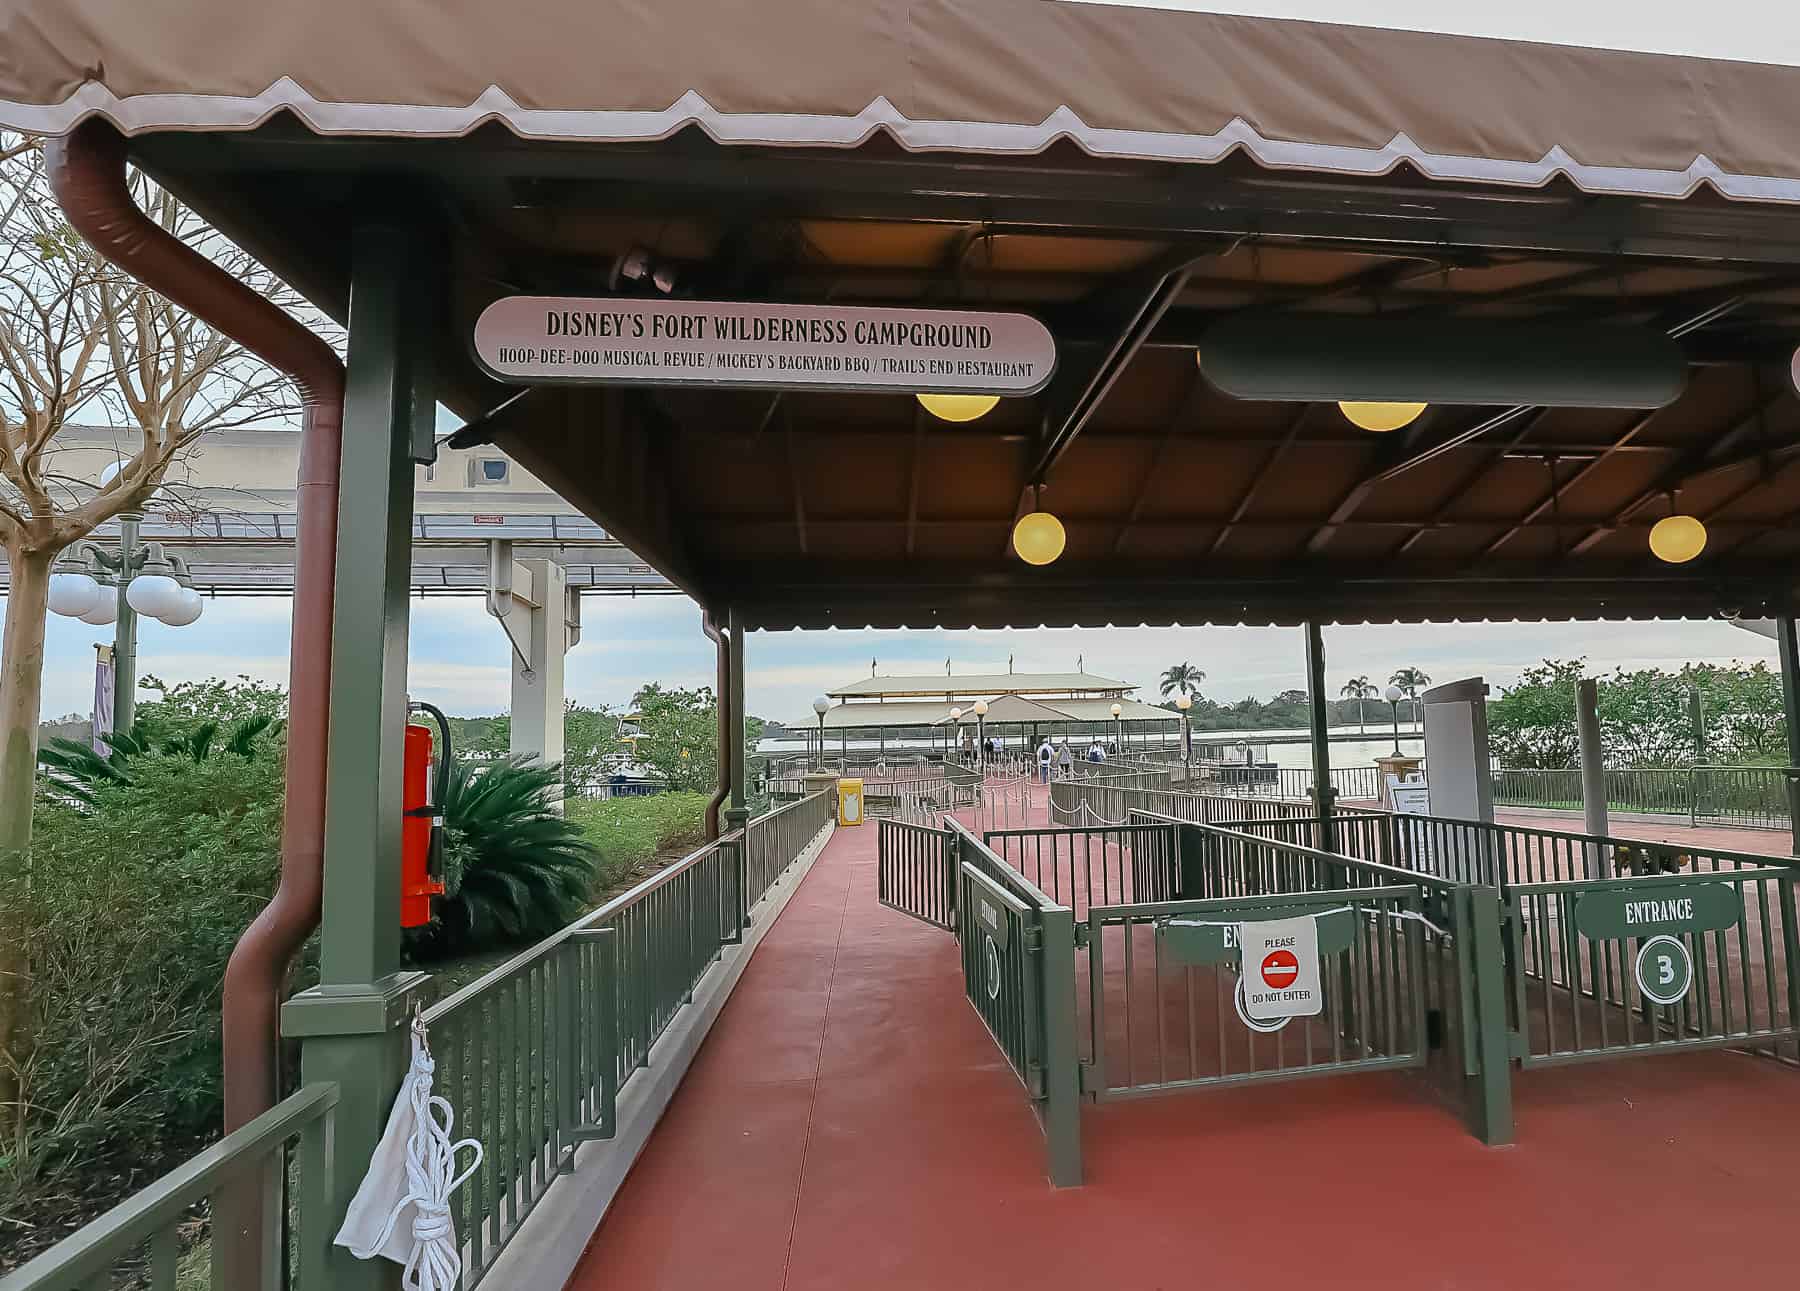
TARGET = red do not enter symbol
x,y
1280,968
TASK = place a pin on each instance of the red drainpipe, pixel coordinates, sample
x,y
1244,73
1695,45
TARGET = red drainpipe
x,y
87,174
723,694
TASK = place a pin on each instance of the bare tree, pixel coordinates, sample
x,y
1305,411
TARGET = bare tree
x,y
79,339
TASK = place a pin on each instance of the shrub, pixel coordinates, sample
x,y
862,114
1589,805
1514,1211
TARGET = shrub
x,y
514,869
132,907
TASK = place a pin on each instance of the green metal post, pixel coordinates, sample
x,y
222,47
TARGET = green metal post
x,y
1062,1060
1490,1102
1790,706
1323,794
125,628
353,1024
738,812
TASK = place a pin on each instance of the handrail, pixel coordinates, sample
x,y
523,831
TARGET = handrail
x,y
91,1251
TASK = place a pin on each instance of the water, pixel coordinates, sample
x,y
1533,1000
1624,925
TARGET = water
x,y
1344,753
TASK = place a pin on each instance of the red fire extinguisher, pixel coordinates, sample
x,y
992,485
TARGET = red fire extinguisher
x,y
422,830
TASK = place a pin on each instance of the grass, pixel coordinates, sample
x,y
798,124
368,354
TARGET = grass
x,y
630,831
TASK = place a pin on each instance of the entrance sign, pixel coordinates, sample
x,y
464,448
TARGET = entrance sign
x,y
1281,969
546,340
1653,909
1665,970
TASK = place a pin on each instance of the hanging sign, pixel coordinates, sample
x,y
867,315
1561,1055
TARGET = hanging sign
x,y
1655,909
542,340
1281,969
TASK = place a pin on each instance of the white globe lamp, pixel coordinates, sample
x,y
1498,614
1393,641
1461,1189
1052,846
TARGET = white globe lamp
x,y
105,609
73,594
186,611
1394,694
155,595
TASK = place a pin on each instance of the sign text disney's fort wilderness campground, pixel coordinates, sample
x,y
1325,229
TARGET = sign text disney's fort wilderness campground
x,y
528,340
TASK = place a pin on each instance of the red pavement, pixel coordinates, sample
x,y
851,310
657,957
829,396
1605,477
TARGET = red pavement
x,y
850,1124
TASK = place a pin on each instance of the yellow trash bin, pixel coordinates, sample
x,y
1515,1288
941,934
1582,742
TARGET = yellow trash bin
x,y
850,802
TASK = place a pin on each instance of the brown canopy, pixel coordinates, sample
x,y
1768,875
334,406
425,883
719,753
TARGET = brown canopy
x,y
987,76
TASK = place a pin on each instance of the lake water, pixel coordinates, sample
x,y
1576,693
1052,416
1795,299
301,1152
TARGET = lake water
x,y
1344,753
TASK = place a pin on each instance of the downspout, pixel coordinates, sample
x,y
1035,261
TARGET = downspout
x,y
87,175
722,691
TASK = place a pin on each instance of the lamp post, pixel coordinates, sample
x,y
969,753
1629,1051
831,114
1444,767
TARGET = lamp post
x,y
1393,695
819,706
981,734
1184,702
955,733
1119,727
99,586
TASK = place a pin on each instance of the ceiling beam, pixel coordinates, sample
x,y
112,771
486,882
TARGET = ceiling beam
x,y
1133,310
914,469
1270,460
1469,482
1678,473
793,465
1196,391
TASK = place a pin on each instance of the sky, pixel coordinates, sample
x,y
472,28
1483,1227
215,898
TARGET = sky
x,y
1765,31
459,657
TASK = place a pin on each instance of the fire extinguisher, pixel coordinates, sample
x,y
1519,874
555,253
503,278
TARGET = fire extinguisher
x,y
422,831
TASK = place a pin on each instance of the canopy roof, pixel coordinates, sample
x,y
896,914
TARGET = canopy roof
x,y
1038,157
990,76
1003,710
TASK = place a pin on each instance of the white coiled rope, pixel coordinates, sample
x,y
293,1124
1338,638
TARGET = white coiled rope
x,y
414,1168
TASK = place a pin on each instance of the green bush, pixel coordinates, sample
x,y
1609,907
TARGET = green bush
x,y
629,831
132,908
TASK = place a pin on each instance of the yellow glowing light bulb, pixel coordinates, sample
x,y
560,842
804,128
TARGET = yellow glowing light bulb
x,y
1039,538
1677,539
959,407
1381,417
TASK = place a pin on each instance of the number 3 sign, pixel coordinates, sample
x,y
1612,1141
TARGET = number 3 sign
x,y
1665,970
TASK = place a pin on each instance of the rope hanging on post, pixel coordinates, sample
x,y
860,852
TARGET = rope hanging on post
x,y
413,1169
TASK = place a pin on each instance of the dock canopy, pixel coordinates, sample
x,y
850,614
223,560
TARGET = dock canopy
x,y
1190,238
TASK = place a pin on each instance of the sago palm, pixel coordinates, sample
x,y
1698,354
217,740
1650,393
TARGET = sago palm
x,y
515,870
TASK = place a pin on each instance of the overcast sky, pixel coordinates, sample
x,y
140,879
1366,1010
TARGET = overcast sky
x,y
459,657
1764,31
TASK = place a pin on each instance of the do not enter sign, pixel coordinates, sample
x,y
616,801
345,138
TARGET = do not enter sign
x,y
1285,982
1280,968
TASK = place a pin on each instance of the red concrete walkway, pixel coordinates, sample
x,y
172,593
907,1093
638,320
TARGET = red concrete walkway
x,y
849,1124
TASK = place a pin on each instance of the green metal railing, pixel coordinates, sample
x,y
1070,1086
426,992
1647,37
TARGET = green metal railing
x,y
1018,955
1101,865
535,1054
1083,803
1586,989
1750,797
916,872
533,1057
138,1243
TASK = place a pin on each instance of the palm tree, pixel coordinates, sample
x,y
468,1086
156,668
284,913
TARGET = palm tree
x,y
1361,689
1182,679
1411,681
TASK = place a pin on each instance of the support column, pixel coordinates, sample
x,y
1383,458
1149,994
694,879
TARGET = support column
x,y
1789,645
352,1024
737,812
537,671
1323,794
1593,761
125,630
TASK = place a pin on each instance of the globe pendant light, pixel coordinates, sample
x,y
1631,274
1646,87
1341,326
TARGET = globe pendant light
x,y
155,595
1038,536
187,610
106,607
1381,417
958,407
1677,539
73,594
